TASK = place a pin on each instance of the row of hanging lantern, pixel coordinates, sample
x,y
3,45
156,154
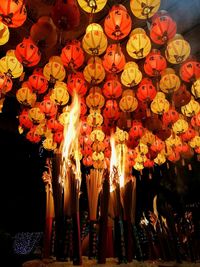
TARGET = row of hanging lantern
x,y
157,118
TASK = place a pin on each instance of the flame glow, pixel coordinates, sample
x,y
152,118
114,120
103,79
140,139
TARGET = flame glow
x,y
113,161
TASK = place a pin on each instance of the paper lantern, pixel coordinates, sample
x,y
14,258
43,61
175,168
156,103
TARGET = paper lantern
x,y
190,70
83,107
60,94
58,137
117,23
131,74
95,99
178,50
195,121
148,138
180,126
139,44
173,140
148,163
66,14
77,84
72,55
13,13
24,120
181,97
191,109
157,146
33,135
26,97
159,105
173,156
87,150
38,82
111,110
5,83
49,144
163,28
195,89
188,135
27,53
94,41
94,72
114,60
169,82
170,117
87,161
144,9
36,115
195,142
54,125
92,6
112,88
54,71
94,119
160,159
136,130
146,91
11,66
128,103
97,135
155,63
48,107
4,33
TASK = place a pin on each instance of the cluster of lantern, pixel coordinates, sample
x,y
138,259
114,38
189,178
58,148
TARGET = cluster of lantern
x,y
154,113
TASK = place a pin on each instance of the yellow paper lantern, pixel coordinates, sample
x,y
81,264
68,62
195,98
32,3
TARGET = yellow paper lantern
x,y
36,115
95,119
191,109
148,138
196,88
26,97
131,75
49,144
178,50
94,72
120,135
159,105
94,41
180,126
160,159
92,6
173,140
54,71
141,158
97,135
60,94
195,142
169,82
128,103
139,44
64,118
144,9
141,149
138,166
95,100
11,66
4,33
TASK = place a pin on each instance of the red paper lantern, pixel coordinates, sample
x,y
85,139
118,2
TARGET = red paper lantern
x,y
114,60
28,53
148,163
38,82
190,70
111,110
5,83
155,63
83,107
85,129
118,23
24,120
163,28
58,137
181,97
86,151
182,148
112,88
188,135
48,107
174,156
72,54
146,91
87,161
33,136
66,14
158,145
76,83
136,130
12,13
195,121
54,125
170,117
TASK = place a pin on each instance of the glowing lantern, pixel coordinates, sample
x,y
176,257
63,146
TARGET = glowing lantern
x,y
72,55
157,146
159,105
148,163
178,50
94,72
27,53
195,142
111,110
155,63
188,135
163,28
85,128
54,125
160,159
48,107
170,117
173,156
12,13
95,99
173,141
5,83
92,6
11,66
136,130
141,149
58,137
94,41
144,9
114,60
146,91
195,121
148,138
49,144
26,97
169,82
112,88
24,120
196,88
38,82
36,115
138,166
182,148
128,103
190,70
191,109
180,126
54,71
131,74
181,97
60,94
4,33
139,44
76,83
94,119
33,135
97,135
117,23
87,161
87,150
